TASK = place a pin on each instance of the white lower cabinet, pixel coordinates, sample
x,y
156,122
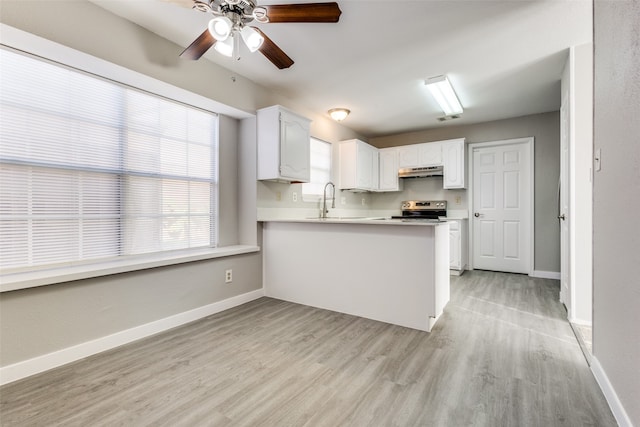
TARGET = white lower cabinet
x,y
457,246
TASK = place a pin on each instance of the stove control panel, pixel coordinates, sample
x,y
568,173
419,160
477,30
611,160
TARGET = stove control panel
x,y
424,205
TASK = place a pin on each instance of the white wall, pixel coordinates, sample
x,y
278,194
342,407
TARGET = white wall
x,y
545,128
616,203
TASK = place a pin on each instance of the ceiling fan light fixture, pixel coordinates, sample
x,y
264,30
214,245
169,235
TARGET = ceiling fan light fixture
x,y
444,95
220,28
339,114
225,47
260,15
252,38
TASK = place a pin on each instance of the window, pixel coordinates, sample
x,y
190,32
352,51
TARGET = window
x,y
91,169
320,172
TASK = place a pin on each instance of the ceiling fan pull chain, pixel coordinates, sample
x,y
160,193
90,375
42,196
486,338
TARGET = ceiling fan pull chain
x,y
236,46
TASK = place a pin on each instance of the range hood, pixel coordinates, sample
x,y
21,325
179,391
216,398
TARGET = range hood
x,y
420,172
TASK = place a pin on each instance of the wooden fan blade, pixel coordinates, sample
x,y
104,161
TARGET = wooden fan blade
x,y
273,53
199,46
305,12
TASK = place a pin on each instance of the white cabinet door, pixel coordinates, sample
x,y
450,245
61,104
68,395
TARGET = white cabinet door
x,y
358,166
455,245
458,246
294,147
453,164
283,145
430,154
388,170
408,156
366,158
420,155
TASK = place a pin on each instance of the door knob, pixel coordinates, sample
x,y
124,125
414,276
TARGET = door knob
x,y
561,217
477,215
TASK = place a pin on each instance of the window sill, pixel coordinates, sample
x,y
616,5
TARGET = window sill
x,y
32,279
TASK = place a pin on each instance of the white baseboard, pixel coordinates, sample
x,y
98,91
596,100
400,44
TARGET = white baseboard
x,y
17,371
555,275
610,394
581,322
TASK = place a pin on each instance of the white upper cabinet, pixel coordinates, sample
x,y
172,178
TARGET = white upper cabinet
x,y
358,166
420,155
430,154
283,145
388,169
408,156
449,154
453,160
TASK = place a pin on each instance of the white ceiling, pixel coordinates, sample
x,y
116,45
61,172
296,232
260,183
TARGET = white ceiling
x,y
504,58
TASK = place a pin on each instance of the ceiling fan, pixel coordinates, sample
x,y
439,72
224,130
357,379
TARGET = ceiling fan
x,y
228,26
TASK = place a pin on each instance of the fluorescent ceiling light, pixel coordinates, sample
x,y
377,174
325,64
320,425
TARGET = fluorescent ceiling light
x,y
444,94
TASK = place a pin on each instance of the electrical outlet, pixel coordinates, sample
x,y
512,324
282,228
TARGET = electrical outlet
x,y
343,200
364,201
278,196
295,196
228,276
458,200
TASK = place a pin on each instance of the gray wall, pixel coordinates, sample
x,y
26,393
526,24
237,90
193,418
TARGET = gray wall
x,y
38,321
545,128
41,320
616,199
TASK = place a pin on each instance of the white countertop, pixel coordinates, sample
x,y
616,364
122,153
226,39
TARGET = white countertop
x,y
277,214
457,214
358,220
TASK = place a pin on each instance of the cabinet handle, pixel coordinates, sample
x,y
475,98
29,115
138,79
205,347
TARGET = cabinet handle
x,y
561,217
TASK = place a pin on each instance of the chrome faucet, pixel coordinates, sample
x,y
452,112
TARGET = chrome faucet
x,y
325,211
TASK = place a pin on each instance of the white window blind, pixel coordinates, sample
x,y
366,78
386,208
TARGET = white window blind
x,y
320,173
91,169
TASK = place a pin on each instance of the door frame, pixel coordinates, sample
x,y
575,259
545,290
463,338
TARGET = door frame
x,y
565,188
529,142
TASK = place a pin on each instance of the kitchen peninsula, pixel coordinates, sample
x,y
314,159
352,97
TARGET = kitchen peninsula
x,y
388,270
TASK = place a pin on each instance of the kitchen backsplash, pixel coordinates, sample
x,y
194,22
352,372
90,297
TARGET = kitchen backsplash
x,y
421,189
274,196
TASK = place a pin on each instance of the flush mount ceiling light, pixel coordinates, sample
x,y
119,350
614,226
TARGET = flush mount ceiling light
x,y
339,114
444,95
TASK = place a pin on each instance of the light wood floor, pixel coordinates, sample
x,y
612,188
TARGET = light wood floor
x,y
501,355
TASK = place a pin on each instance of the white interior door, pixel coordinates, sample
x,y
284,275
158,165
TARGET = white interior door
x,y
502,206
563,205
